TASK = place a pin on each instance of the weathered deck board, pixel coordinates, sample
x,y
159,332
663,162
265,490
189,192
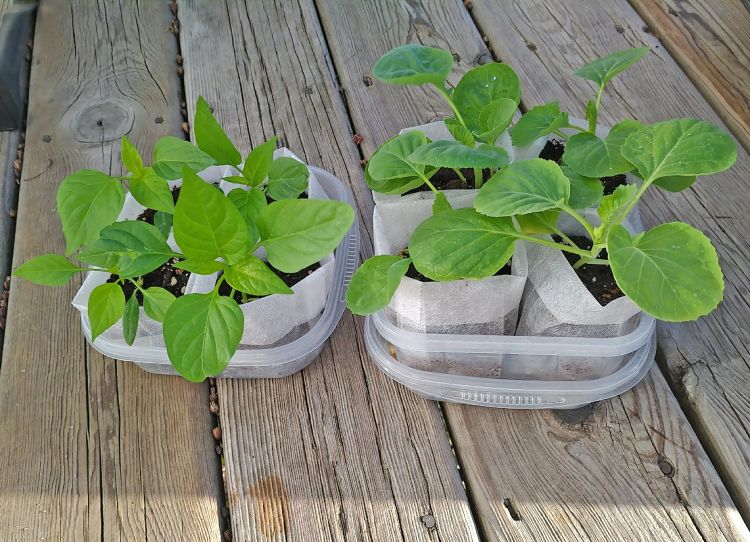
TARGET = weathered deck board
x,y
707,361
93,448
557,463
711,41
337,452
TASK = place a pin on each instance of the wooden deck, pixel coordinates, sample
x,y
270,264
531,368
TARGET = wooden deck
x,y
95,449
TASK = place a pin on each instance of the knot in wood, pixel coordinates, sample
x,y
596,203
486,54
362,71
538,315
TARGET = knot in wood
x,y
105,119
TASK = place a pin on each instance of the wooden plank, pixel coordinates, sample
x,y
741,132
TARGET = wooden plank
x,y
336,452
711,41
559,503
94,448
706,361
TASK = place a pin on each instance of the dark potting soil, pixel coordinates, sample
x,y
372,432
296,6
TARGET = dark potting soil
x,y
168,277
270,200
290,279
412,272
598,279
554,149
446,179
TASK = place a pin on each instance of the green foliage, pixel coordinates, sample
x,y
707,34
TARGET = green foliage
x,y
156,302
151,191
374,283
249,203
211,138
539,121
414,65
495,118
105,307
591,156
258,162
459,132
389,170
130,318
584,191
453,154
172,154
480,87
47,270
163,222
440,204
287,178
252,276
130,157
603,69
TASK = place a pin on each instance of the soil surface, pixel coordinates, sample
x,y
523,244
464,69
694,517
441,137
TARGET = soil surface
x,y
168,277
598,279
446,179
290,279
412,272
553,150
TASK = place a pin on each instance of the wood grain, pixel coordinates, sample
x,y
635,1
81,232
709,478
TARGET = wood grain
x,y
338,451
706,362
93,448
711,42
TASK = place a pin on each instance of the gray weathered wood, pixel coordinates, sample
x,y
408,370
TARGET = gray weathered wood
x,y
711,41
93,448
337,452
706,361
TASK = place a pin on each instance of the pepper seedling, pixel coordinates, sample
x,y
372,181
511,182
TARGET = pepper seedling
x,y
215,233
670,271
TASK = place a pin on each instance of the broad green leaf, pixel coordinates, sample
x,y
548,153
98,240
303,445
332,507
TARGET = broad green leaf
x,y
130,157
671,271
163,222
237,179
201,267
682,147
47,270
615,203
254,277
86,202
287,178
528,186
298,233
374,283
414,64
249,203
459,132
130,317
202,332
495,118
675,183
461,244
481,86
594,157
152,191
207,225
172,154
129,249
537,122
440,204
156,302
257,163
105,307
211,138
453,154
399,185
602,70
389,171
584,191
541,222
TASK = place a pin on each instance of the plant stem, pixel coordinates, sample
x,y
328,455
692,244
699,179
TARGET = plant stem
x,y
427,181
574,127
552,244
559,134
564,237
581,220
449,99
478,179
460,175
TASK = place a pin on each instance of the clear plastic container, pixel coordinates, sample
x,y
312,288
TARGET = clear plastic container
x,y
294,353
532,372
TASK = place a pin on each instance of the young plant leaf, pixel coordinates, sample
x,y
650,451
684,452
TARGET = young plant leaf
x,y
105,307
207,225
287,178
252,276
211,138
257,163
528,186
156,302
594,157
538,122
298,233
682,147
602,70
87,201
389,170
201,267
456,155
541,222
47,270
414,64
130,317
461,244
163,223
374,283
130,157
584,191
151,191
481,86
130,249
440,204
172,154
398,185
201,333
675,183
249,203
237,179
459,132
494,118
615,203
671,271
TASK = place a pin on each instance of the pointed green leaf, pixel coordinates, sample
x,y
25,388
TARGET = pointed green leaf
x,y
537,122
374,283
47,270
389,170
615,203
602,70
675,183
584,191
594,157
257,163
249,203
453,154
414,64
541,222
252,276
163,223
523,187
200,267
130,157
156,302
211,138
87,201
671,271
105,307
152,191
130,319
202,332
459,132
171,154
287,178
237,179
481,86
495,118
440,204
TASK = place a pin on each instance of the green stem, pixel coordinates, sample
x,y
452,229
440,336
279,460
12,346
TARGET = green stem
x,y
574,127
427,181
559,134
581,220
449,99
460,175
137,286
552,244
564,237
478,179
